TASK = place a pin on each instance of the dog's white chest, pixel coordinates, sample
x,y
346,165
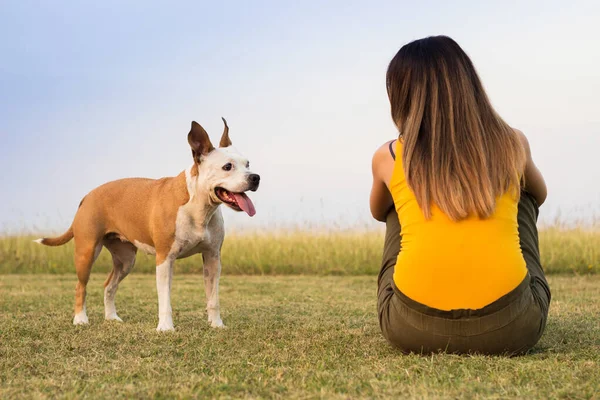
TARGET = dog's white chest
x,y
189,232
193,234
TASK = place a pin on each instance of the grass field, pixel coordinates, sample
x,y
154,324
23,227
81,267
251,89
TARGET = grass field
x,y
335,252
287,337
311,335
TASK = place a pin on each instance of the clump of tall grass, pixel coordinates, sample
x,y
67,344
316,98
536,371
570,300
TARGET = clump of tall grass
x,y
563,249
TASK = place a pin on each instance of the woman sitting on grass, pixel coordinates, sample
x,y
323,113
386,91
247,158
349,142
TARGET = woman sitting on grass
x,y
459,193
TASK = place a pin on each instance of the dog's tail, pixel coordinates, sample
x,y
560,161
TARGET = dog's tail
x,y
62,239
57,241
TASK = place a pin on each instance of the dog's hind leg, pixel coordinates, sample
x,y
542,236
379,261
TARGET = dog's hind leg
x,y
86,253
123,255
212,273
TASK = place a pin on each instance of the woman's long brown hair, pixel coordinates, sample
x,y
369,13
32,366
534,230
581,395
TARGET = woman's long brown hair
x,y
457,152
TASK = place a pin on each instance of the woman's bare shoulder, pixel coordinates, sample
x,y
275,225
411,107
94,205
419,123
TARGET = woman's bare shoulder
x,y
523,140
383,151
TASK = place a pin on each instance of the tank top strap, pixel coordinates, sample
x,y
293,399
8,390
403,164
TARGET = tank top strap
x,y
392,149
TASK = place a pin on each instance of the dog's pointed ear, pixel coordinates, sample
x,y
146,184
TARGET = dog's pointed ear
x,y
199,141
225,141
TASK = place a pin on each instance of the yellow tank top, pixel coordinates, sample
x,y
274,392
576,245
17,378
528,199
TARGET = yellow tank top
x,y
452,265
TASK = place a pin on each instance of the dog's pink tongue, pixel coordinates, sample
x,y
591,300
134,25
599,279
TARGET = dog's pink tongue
x,y
245,203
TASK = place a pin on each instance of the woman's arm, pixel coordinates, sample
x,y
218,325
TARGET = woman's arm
x,y
381,200
534,181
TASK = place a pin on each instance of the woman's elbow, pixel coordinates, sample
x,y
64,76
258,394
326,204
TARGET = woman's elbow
x,y
381,217
380,212
541,196
538,192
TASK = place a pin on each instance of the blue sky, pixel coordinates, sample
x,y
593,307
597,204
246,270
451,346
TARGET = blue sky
x,y
95,92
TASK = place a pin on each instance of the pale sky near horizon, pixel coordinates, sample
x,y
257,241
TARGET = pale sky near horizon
x,y
92,92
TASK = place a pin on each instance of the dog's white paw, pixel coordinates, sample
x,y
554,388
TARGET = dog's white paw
x,y
214,318
217,323
113,317
80,319
165,326
165,329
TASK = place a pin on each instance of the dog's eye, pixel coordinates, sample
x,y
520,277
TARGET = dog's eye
x,y
227,167
248,164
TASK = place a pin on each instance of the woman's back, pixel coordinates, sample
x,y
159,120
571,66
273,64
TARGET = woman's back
x,y
448,264
461,270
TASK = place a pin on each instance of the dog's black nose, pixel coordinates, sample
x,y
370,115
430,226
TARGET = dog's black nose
x,y
254,178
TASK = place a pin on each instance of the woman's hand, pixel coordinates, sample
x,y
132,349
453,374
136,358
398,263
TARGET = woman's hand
x,y
381,200
534,181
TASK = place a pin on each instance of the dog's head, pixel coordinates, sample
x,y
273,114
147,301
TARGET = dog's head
x,y
222,172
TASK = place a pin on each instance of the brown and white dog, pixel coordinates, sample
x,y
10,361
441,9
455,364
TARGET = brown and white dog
x,y
170,217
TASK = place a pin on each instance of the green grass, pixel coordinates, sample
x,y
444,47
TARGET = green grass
x,y
287,337
353,252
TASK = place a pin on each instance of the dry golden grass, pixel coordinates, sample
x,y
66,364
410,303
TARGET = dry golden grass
x,y
335,252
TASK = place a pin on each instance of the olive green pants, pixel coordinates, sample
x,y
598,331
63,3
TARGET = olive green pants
x,y
511,325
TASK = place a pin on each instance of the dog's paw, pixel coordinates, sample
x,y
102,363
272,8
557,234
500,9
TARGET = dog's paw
x,y
217,323
80,319
113,317
165,327
214,318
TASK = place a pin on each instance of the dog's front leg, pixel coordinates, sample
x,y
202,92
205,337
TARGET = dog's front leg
x,y
212,273
164,275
